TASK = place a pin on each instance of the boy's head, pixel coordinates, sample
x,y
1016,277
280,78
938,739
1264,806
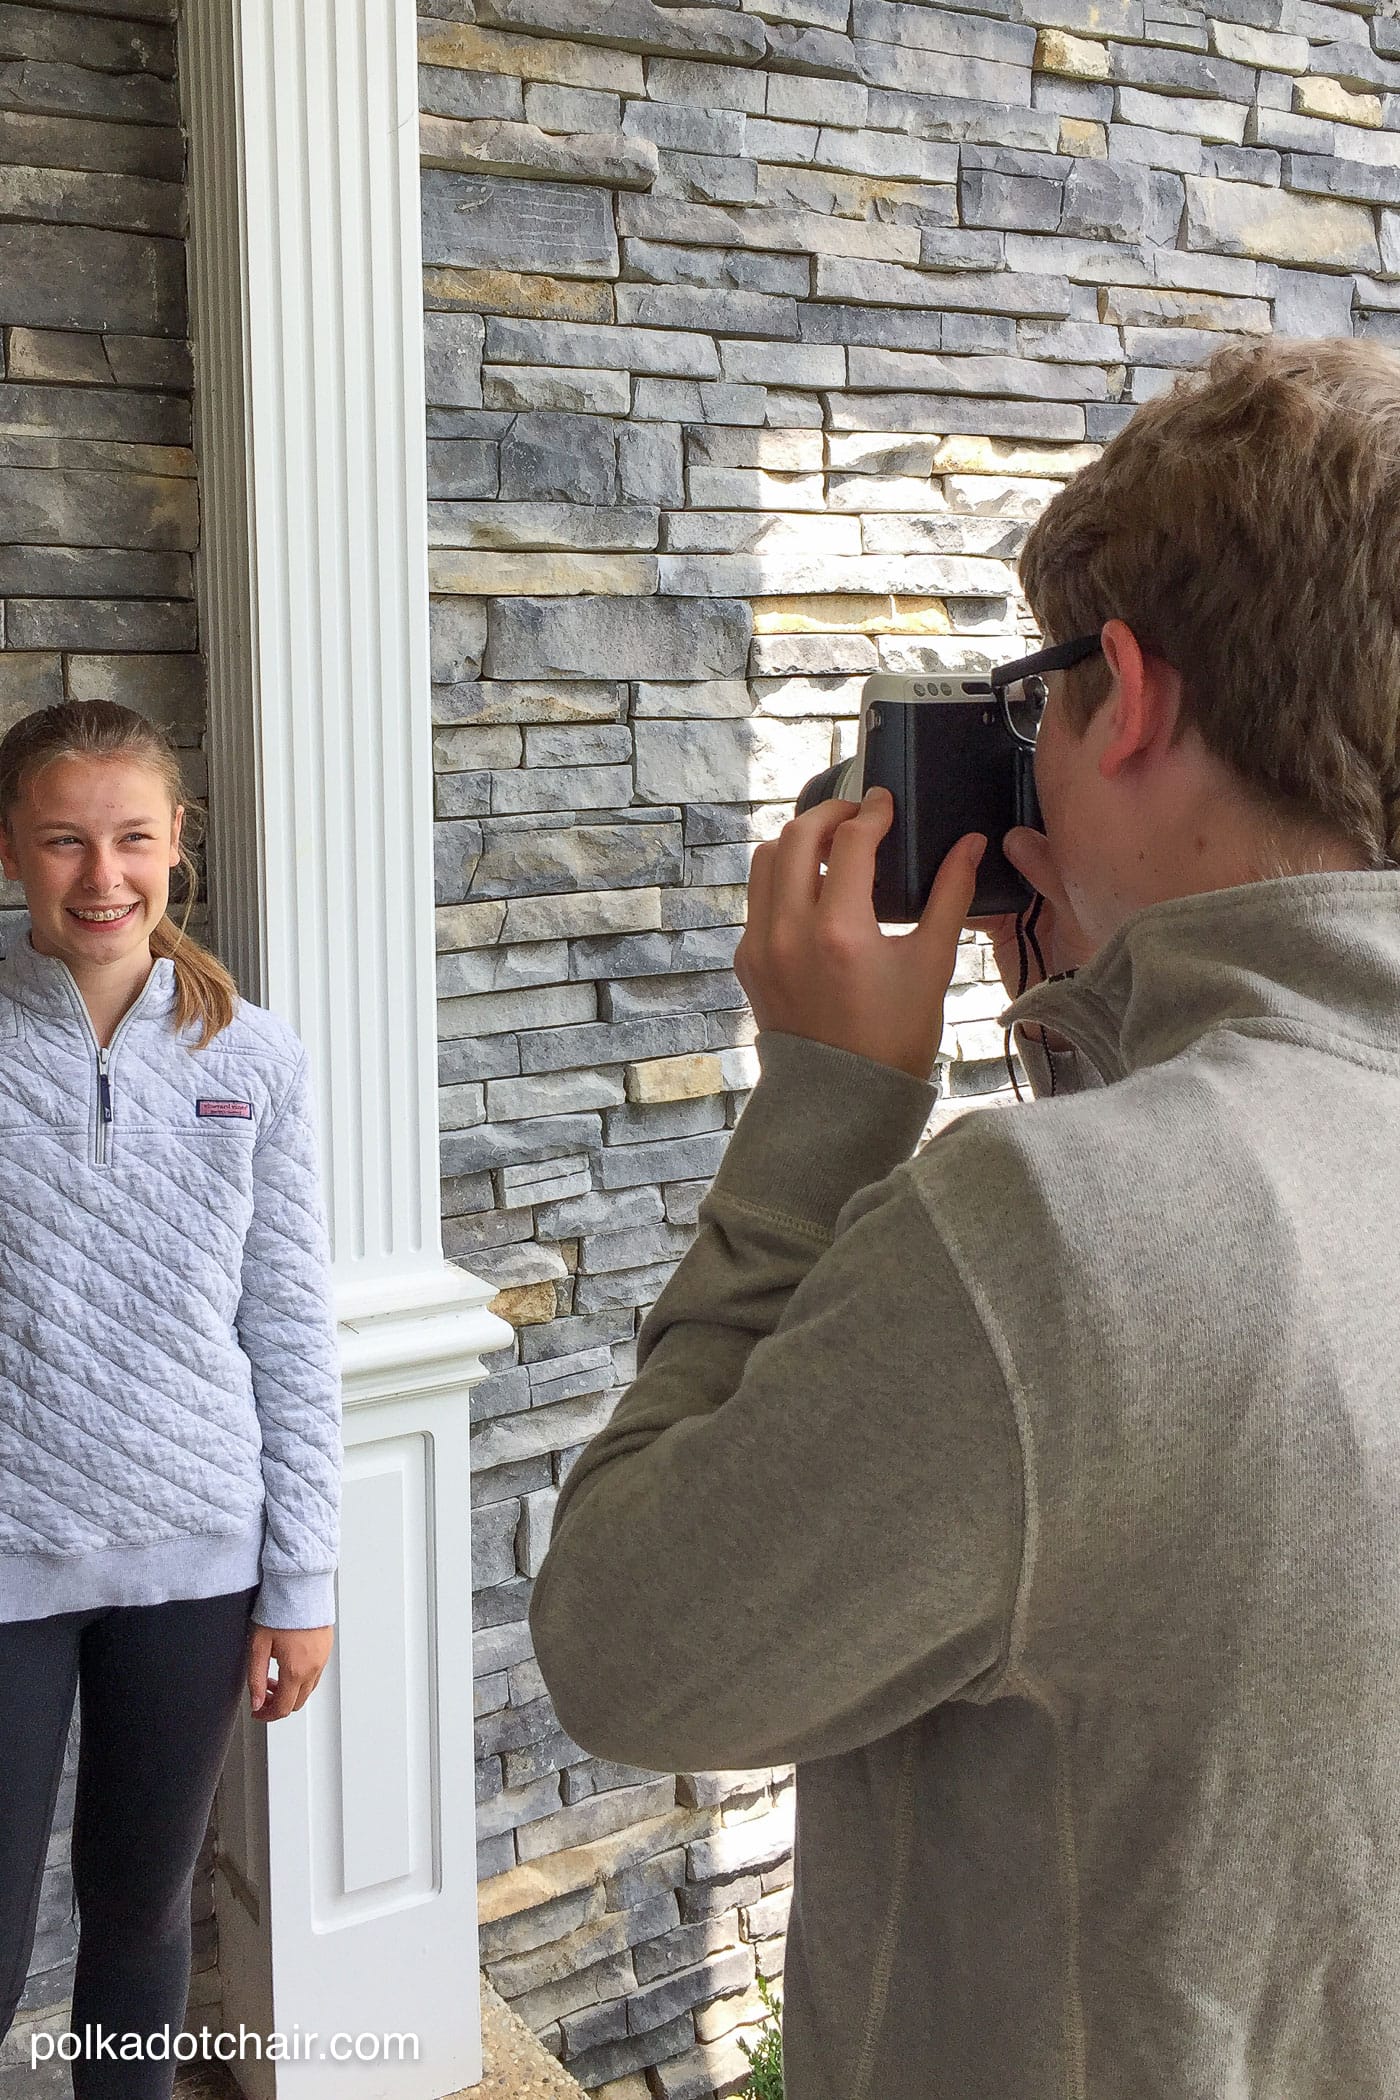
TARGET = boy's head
x,y
1238,543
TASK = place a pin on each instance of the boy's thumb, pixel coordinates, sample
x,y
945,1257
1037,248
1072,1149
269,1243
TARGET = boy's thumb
x,y
1029,854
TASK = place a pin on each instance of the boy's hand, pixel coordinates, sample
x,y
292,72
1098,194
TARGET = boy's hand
x,y
813,960
1063,941
301,1654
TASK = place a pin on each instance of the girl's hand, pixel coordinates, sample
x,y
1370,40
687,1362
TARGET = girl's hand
x,y
812,959
1063,941
301,1654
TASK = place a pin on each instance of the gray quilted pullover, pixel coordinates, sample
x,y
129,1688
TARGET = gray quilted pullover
x,y
169,1365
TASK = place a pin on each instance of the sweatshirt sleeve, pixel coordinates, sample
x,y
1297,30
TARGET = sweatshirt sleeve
x,y
286,1326
800,1529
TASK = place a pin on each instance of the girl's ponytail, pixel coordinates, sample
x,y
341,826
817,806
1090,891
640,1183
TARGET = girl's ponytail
x,y
205,993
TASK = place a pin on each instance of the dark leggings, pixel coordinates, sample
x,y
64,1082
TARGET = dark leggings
x,y
159,1688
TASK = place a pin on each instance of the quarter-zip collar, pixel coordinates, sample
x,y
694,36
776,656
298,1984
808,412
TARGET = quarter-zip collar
x,y
45,985
1319,951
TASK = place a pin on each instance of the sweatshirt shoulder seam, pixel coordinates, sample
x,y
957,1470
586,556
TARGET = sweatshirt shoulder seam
x,y
787,1218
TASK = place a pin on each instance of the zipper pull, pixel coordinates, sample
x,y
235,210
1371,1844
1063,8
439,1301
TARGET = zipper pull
x,y
104,1091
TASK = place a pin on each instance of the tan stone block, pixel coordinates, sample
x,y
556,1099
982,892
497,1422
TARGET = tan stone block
x,y
529,57
1144,306
1088,140
1320,97
675,1078
480,575
1075,57
1270,225
982,455
469,925
454,290
854,615
514,2061
526,1304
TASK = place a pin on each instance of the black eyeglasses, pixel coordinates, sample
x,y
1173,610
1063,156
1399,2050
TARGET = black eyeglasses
x,y
1021,686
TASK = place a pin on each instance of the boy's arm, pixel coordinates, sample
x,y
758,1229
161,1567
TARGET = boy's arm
x,y
801,1527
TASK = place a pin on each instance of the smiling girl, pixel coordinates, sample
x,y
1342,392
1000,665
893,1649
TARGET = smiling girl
x,y
169,1375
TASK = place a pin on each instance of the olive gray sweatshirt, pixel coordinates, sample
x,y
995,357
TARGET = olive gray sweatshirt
x,y
1038,1496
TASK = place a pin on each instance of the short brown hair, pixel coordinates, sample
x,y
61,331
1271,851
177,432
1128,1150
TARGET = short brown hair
x,y
1246,526
204,991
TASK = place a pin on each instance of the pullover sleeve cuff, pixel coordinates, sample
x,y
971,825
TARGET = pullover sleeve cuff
x,y
288,1601
820,1125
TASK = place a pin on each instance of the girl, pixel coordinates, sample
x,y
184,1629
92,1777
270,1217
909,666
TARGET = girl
x,y
169,1380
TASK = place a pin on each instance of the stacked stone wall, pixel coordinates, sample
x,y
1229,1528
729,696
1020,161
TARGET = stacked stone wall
x,y
756,337
98,521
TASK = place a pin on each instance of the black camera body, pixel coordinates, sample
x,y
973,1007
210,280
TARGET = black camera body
x,y
943,747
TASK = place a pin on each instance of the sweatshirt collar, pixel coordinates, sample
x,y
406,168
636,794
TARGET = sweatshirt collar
x,y
45,984
1318,951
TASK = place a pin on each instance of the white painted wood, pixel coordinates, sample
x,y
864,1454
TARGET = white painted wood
x,y
346,1889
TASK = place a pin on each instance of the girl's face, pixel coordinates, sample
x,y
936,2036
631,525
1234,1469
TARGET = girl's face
x,y
93,835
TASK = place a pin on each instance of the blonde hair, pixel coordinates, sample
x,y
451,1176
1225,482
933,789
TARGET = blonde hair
x,y
1246,526
204,991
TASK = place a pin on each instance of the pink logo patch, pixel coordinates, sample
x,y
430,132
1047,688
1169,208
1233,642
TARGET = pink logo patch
x,y
223,1108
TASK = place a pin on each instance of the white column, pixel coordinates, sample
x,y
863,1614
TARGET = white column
x,y
346,1881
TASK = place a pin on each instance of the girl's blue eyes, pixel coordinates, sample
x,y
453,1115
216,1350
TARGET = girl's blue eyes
x,y
69,840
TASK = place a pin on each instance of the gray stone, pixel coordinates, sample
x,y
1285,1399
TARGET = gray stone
x,y
672,1159
705,178
1102,197
554,108
609,1042
1333,177
600,1211
452,359
457,631
462,467
969,79
987,199
675,126
450,91
129,203
573,392
717,309
561,227
510,340
544,861
170,688
634,25
541,525
60,276
499,147
568,458
26,683
649,464
92,572
803,99
976,375
664,262
560,787
110,623
541,1429
705,992
952,416
890,284
634,638
37,141
613,2061
635,1287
